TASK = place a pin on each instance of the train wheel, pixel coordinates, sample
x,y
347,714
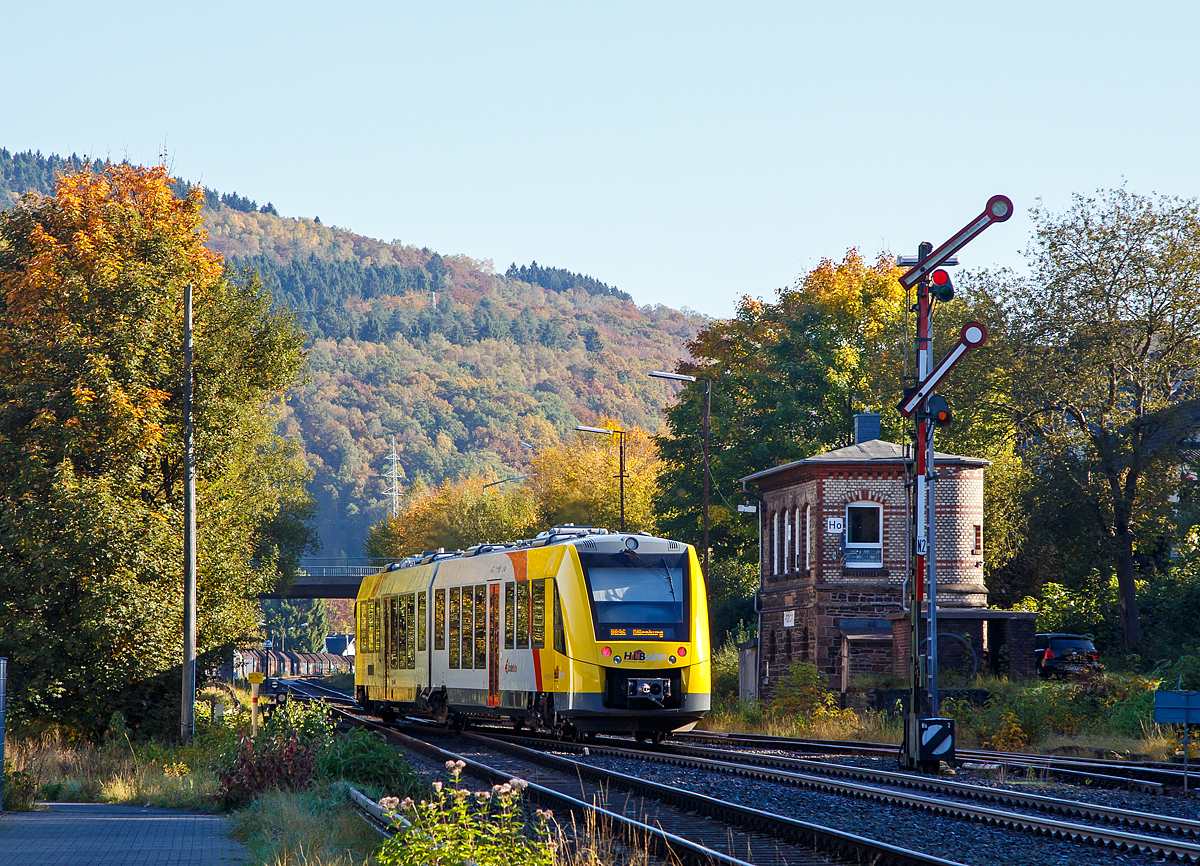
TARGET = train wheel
x,y
658,737
388,715
641,736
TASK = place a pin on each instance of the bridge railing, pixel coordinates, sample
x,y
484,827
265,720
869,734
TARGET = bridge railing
x,y
338,570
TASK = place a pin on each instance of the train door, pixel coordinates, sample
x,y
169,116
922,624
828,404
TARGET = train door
x,y
493,651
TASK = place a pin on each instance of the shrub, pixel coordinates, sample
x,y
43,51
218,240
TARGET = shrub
x,y
359,756
1184,674
801,690
487,828
261,766
1018,716
307,722
19,789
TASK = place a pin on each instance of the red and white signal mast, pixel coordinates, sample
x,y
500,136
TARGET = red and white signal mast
x,y
929,740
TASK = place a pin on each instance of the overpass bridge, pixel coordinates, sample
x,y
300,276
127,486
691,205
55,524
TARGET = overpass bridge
x,y
327,581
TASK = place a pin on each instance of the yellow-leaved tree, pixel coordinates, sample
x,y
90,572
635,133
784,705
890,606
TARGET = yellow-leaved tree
x,y
575,481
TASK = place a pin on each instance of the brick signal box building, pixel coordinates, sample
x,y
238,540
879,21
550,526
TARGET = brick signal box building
x,y
834,563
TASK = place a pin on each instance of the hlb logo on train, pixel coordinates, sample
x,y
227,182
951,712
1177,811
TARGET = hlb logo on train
x,y
510,667
643,656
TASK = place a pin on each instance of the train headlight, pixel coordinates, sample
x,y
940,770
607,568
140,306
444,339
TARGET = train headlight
x,y
606,652
631,543
671,659
681,652
616,660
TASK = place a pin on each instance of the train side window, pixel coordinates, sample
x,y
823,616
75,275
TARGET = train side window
x,y
468,629
538,588
399,627
454,627
523,614
422,616
481,626
439,619
560,635
386,631
509,615
410,648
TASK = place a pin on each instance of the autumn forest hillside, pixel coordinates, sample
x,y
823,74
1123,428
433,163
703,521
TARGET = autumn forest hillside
x,y
456,361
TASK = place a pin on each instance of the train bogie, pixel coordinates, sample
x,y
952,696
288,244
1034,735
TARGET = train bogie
x,y
580,630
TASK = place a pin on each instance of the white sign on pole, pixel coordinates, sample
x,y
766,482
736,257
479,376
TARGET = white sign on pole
x,y
835,524
789,619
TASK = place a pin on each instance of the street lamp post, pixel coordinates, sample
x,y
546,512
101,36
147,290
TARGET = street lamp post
x,y
620,434
658,374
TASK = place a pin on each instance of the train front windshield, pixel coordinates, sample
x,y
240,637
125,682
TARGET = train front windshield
x,y
638,596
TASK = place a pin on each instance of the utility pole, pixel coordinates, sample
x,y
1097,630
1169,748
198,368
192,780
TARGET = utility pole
x,y
658,374
187,720
927,741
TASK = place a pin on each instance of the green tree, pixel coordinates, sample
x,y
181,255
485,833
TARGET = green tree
x,y
787,379
1108,346
91,284
297,625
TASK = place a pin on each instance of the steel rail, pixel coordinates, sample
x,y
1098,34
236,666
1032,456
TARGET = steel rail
x,y
320,687
681,756
1080,833
821,840
664,844
1148,778
836,843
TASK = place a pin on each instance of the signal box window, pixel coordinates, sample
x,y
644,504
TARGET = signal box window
x,y
864,535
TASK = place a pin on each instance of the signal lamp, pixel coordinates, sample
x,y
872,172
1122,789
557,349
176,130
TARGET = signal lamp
x,y
938,410
606,652
943,289
682,651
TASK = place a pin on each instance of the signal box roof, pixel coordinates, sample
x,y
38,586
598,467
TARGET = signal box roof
x,y
873,452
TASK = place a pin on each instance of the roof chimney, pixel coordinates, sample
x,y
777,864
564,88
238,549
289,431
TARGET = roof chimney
x,y
866,427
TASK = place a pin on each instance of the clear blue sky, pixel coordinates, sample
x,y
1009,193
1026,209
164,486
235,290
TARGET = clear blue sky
x,y
685,152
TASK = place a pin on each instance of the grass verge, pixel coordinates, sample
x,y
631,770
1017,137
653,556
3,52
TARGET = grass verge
x,y
316,827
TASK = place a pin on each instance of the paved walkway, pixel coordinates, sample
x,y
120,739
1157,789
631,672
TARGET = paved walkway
x,y
97,834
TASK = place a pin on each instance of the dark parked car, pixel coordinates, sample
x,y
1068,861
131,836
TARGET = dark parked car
x,y
1065,654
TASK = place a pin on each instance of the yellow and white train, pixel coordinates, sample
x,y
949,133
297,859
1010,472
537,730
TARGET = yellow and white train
x,y
577,631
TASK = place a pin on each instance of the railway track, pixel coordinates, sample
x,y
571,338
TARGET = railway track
x,y
309,687
1150,777
677,825
1178,840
